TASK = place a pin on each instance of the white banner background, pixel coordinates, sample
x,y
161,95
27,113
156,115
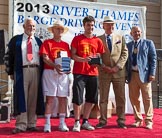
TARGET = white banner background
x,y
45,12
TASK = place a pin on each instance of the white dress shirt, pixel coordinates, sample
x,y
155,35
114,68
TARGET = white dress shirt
x,y
35,50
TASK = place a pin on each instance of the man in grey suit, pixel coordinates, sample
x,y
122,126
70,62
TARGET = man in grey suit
x,y
112,71
141,68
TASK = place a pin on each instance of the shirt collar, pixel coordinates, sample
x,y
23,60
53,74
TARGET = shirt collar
x,y
26,36
137,41
110,35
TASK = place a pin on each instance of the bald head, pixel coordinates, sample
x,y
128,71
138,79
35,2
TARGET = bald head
x,y
136,32
135,28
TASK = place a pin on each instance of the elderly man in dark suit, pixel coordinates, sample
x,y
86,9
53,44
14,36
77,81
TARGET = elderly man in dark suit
x,y
141,68
24,68
113,71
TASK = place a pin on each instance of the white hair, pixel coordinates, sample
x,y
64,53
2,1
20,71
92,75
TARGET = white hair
x,y
29,19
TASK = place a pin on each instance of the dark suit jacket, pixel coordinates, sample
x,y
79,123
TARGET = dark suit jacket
x,y
15,68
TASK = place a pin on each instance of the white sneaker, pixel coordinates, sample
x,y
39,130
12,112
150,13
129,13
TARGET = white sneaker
x,y
76,127
149,126
63,127
47,128
87,126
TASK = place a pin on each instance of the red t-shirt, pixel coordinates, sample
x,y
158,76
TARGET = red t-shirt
x,y
86,47
51,48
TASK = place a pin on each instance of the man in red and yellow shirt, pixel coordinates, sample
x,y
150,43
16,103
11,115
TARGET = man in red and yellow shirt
x,y
83,48
55,81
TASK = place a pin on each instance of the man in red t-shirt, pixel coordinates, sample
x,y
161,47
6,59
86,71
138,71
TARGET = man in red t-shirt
x,y
83,48
55,80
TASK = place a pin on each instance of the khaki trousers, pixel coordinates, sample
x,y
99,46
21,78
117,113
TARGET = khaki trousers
x,y
28,119
119,91
135,86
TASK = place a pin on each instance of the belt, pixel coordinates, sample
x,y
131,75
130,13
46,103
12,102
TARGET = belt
x,y
30,66
135,71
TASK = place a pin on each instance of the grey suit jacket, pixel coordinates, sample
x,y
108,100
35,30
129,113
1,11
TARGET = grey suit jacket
x,y
117,57
146,59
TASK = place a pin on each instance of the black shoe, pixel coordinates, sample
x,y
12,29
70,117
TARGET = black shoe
x,y
16,131
121,125
100,125
32,129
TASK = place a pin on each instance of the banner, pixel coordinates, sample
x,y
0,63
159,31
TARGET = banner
x,y
46,12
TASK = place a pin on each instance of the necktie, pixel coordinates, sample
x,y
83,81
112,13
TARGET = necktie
x,y
134,55
109,43
29,49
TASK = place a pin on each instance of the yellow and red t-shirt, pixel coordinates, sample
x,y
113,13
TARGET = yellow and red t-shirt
x,y
51,48
86,47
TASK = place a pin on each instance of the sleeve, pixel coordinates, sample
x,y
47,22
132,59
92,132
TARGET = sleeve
x,y
11,55
152,56
44,48
101,49
124,55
